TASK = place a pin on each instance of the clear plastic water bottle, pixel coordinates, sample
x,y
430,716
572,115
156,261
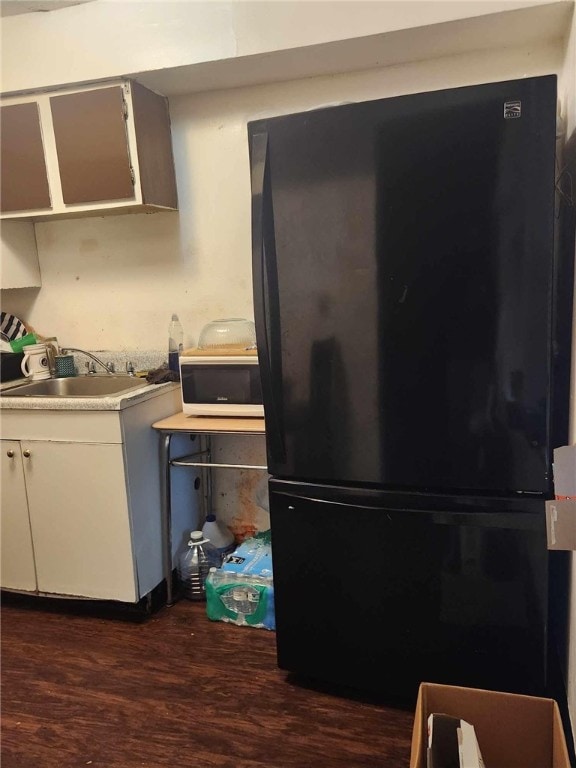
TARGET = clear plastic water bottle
x,y
218,535
194,565
175,343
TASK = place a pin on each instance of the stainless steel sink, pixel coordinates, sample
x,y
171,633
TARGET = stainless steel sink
x,y
77,386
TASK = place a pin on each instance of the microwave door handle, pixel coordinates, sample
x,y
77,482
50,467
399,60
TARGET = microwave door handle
x,y
265,285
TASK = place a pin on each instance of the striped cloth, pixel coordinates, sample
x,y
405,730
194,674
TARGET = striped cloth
x,y
11,328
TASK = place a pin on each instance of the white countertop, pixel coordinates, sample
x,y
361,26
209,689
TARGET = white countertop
x,y
104,403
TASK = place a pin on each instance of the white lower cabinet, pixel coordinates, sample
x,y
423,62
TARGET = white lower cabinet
x,y
17,569
80,502
78,510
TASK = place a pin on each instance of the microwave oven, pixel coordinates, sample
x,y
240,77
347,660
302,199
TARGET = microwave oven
x,y
221,384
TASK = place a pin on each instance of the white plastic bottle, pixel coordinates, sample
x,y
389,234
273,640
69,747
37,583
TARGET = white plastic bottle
x,y
218,535
194,565
175,343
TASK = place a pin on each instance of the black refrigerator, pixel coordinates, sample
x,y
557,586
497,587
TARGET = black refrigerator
x,y
413,354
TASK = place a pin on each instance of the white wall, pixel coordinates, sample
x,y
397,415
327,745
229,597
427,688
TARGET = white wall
x,y
114,282
110,37
140,269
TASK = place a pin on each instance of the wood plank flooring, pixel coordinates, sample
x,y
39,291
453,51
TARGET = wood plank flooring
x,y
80,689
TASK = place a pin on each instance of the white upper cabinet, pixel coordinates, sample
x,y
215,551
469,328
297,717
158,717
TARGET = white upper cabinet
x,y
86,151
19,255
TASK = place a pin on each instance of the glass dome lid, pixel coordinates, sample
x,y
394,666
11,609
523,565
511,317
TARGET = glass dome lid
x,y
228,333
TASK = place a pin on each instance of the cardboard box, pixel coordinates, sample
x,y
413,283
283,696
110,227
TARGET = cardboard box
x,y
513,731
561,524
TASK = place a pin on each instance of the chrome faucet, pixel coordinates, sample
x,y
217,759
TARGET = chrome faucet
x,y
88,354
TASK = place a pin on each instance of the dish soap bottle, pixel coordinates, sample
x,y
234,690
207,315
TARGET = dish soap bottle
x,y
175,343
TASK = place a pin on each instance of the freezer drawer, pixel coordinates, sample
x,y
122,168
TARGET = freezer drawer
x,y
381,598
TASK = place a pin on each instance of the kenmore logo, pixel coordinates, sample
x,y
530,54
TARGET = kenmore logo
x,y
223,399
512,109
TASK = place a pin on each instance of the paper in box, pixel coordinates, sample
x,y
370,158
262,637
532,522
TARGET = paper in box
x,y
513,731
452,743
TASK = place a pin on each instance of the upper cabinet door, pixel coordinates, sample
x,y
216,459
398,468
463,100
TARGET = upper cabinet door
x,y
92,145
24,181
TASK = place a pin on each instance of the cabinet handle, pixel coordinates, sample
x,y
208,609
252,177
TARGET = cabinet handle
x,y
26,454
10,454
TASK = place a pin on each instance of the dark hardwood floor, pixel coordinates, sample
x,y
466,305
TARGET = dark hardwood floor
x,y
82,687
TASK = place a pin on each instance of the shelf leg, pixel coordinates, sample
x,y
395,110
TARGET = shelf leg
x,y
206,476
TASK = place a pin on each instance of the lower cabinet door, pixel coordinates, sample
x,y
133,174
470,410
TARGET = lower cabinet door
x,y
80,520
17,558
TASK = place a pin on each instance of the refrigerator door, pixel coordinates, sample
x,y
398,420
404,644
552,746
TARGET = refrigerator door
x,y
403,262
379,593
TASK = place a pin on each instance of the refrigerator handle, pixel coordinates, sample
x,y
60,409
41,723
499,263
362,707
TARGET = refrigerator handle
x,y
265,285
